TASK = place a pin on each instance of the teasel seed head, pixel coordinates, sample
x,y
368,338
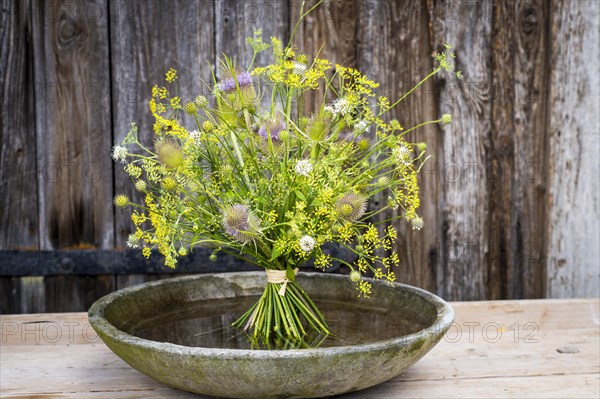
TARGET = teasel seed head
x,y
169,153
351,206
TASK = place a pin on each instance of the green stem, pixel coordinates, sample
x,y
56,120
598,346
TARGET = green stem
x,y
436,70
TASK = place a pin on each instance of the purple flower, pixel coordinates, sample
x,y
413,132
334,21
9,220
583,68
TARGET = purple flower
x,y
273,127
349,135
240,223
228,85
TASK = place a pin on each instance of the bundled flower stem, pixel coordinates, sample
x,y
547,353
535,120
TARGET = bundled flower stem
x,y
247,173
281,315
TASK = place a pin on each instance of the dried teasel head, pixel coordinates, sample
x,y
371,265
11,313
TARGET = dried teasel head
x,y
240,223
169,153
351,206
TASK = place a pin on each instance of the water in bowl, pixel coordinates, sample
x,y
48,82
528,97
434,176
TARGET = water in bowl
x,y
207,324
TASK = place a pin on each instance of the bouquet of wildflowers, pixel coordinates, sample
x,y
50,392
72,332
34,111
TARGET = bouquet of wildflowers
x,y
251,174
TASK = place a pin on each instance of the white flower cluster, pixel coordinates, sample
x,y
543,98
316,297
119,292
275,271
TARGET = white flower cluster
x,y
417,223
119,153
299,68
362,126
341,106
195,135
133,241
303,167
307,243
403,155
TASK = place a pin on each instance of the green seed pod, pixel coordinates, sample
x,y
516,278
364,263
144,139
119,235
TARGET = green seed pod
x,y
201,101
190,108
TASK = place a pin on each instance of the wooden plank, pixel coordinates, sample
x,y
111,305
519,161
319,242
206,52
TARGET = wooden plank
x,y
18,183
331,29
515,172
235,20
76,293
71,65
18,203
464,152
555,387
10,295
489,349
73,127
574,138
90,262
141,54
394,50
128,280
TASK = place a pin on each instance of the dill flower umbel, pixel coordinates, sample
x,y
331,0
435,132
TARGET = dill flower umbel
x,y
240,223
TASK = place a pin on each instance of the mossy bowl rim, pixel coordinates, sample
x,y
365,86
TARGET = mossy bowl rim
x,y
445,317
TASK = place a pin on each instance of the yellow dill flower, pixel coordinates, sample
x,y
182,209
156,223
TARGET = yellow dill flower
x,y
323,261
362,265
138,218
146,252
133,170
169,183
175,102
163,93
364,289
345,232
171,75
170,262
371,235
391,276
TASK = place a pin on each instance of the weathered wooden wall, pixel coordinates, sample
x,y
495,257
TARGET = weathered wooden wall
x,y
510,195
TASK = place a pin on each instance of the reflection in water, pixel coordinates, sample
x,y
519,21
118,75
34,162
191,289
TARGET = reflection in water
x,y
207,324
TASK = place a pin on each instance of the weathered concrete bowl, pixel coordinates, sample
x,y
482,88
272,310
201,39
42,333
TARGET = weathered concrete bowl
x,y
244,373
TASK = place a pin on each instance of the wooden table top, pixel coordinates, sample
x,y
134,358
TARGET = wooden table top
x,y
495,349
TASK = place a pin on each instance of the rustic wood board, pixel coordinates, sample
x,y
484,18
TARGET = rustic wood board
x,y
574,138
394,47
494,349
141,54
18,170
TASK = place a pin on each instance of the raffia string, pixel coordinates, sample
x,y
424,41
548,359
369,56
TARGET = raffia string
x,y
278,277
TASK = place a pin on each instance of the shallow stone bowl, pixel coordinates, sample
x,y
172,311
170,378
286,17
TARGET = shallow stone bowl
x,y
245,373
